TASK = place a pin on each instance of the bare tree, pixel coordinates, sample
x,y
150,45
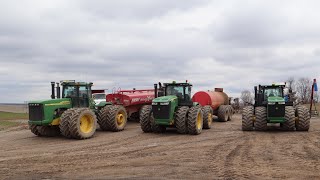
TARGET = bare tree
x,y
291,83
303,89
246,97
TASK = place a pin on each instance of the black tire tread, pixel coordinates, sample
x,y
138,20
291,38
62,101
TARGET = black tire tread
x,y
289,124
247,118
64,122
180,119
34,129
303,123
111,122
206,110
145,114
222,112
102,118
73,124
192,120
261,119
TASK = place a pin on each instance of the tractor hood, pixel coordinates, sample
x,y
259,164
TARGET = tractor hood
x,y
164,99
52,102
272,100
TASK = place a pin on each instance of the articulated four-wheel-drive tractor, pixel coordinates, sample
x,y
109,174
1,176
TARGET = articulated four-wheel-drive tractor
x,y
172,107
272,106
75,114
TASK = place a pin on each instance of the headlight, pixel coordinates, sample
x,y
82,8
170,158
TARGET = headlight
x,y
282,103
154,103
271,103
164,103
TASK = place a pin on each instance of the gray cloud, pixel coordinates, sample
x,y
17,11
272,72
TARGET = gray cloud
x,y
127,44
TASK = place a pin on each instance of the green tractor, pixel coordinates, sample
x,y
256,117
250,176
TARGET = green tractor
x,y
272,106
173,108
74,115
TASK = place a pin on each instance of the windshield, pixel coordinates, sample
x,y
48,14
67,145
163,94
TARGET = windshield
x,y
174,90
71,91
273,92
98,96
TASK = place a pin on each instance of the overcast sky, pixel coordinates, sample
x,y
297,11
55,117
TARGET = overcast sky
x,y
136,43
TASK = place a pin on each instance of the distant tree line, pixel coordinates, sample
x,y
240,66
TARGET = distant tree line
x,y
301,87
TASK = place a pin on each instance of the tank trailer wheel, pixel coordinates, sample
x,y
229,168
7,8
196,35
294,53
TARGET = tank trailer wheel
x,y
64,122
207,117
34,129
261,122
303,122
289,123
145,115
180,119
102,118
247,118
223,113
195,120
231,112
116,118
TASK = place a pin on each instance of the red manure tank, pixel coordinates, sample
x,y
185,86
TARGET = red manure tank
x,y
217,100
132,100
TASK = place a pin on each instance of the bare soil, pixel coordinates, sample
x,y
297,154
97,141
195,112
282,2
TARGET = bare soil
x,y
223,152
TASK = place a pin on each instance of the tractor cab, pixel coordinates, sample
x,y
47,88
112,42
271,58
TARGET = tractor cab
x,y
79,93
181,90
269,94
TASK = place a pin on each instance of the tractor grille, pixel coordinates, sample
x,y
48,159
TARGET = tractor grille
x,y
161,111
35,112
276,110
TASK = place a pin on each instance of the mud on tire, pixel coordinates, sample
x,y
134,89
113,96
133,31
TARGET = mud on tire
x,y
195,120
303,115
102,118
34,129
247,118
83,123
261,119
289,123
116,118
223,114
180,119
207,117
64,122
145,115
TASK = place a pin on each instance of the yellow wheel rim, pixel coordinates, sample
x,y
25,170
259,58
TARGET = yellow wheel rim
x,y
209,119
121,118
86,124
199,121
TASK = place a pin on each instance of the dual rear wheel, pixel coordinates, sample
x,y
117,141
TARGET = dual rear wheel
x,y
186,120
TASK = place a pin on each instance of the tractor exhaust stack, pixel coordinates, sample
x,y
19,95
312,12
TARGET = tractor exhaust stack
x,y
155,90
52,91
58,91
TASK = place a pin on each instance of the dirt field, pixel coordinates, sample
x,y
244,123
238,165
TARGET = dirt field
x,y
223,152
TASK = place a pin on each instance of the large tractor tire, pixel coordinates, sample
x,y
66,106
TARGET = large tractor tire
x,y
261,123
207,117
247,118
181,118
64,122
303,115
223,113
195,120
102,118
156,127
34,129
48,131
116,118
83,123
145,115
289,123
